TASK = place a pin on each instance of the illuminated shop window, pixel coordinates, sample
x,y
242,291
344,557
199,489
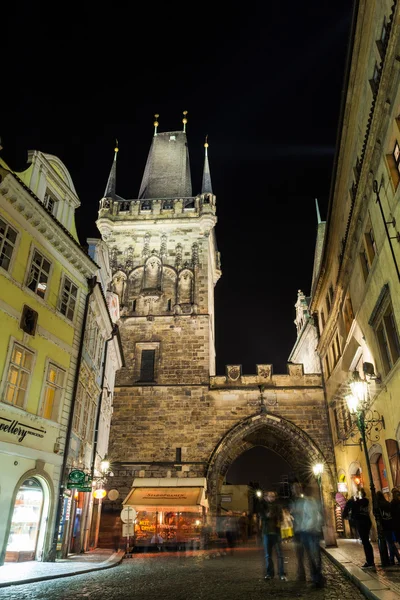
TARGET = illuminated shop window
x,y
53,392
8,237
18,376
38,274
26,518
68,299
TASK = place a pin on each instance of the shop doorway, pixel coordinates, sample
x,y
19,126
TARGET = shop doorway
x,y
26,538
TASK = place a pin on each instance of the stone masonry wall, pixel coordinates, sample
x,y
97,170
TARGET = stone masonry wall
x,y
150,422
182,349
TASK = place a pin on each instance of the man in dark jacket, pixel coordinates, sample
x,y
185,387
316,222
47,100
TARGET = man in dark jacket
x,y
363,521
271,519
387,526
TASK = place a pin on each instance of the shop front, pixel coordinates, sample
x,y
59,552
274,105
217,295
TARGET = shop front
x,y
168,512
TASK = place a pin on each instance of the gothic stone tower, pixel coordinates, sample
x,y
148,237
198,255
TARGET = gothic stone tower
x,y
175,422
165,265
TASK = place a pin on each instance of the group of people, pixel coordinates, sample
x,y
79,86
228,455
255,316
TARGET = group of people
x,y
307,520
357,511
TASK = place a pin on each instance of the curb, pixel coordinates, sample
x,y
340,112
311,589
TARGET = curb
x,y
114,560
363,585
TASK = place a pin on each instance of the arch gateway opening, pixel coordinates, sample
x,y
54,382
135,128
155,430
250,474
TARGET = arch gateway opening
x,y
275,433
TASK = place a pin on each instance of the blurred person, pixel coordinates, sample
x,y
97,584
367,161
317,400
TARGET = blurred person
x,y
363,522
287,525
243,527
348,515
307,526
385,510
231,531
395,509
271,519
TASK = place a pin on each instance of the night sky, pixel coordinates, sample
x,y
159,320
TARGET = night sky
x,y
265,86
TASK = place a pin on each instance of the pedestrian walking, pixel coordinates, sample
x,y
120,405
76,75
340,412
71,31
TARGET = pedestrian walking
x,y
307,525
385,509
231,531
363,522
271,519
348,515
243,523
287,525
395,508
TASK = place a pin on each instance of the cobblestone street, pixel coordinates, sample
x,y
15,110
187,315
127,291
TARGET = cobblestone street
x,y
194,575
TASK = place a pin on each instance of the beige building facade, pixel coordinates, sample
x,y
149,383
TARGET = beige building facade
x,y
355,297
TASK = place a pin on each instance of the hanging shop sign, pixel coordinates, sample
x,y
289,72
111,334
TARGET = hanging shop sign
x,y
80,481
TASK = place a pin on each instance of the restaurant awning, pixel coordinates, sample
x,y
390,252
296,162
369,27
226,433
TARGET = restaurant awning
x,y
164,497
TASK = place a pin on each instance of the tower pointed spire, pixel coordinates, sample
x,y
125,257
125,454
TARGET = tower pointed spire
x,y
184,120
155,124
206,183
318,213
112,178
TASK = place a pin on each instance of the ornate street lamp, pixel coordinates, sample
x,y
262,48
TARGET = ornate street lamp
x,y
368,421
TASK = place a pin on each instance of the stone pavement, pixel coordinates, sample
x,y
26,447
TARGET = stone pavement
x,y
31,571
376,584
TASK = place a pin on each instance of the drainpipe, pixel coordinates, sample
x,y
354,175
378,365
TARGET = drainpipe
x,y
97,424
51,556
99,404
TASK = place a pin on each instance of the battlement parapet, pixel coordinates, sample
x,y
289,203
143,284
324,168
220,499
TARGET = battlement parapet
x,y
264,378
168,208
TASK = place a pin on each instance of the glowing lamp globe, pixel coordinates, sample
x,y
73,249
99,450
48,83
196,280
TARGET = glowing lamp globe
x,y
99,494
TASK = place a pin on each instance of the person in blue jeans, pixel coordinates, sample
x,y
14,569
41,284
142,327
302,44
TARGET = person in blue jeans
x,y
307,525
385,510
271,518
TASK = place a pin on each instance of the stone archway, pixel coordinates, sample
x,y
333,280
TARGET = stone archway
x,y
277,434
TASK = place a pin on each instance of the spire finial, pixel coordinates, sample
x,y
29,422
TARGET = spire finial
x,y
318,215
155,124
184,120
116,149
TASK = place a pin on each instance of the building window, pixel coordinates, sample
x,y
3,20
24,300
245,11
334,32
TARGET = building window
x,y
374,82
348,314
52,392
327,367
78,410
8,237
381,43
18,376
368,249
388,339
147,365
92,418
68,299
328,304
49,202
396,155
38,274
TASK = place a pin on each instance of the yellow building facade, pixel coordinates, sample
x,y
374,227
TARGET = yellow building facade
x,y
355,297
44,283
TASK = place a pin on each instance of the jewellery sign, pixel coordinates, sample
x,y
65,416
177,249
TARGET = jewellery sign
x,y
20,430
80,481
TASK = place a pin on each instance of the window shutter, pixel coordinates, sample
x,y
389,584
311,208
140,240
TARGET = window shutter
x,y
147,365
392,448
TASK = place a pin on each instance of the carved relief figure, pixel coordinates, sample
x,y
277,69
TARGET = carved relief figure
x,y
152,274
119,285
185,287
